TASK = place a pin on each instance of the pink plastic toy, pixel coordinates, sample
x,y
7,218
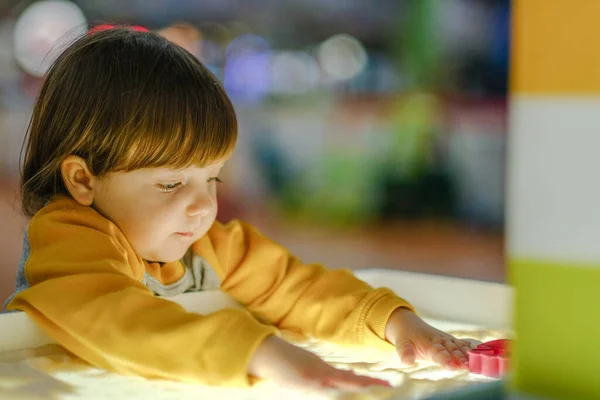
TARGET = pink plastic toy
x,y
490,358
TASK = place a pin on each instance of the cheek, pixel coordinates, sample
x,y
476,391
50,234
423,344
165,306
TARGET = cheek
x,y
150,230
147,217
163,213
138,226
215,209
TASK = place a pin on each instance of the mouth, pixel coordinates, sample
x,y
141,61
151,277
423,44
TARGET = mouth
x,y
185,234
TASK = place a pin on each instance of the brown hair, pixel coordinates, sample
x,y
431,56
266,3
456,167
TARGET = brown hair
x,y
123,100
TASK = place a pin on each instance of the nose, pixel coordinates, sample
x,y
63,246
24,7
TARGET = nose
x,y
201,205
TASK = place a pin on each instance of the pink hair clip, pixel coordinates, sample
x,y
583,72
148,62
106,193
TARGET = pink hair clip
x,y
104,27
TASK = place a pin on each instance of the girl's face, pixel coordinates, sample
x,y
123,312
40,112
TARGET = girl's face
x,y
161,211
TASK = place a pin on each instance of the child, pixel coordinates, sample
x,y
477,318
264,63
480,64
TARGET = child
x,y
120,175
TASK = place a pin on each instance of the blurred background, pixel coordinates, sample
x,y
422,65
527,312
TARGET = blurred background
x,y
372,133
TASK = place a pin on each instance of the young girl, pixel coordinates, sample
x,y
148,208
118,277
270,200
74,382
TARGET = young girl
x,y
120,175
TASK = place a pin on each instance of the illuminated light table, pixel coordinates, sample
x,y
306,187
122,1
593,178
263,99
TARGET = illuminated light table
x,y
32,366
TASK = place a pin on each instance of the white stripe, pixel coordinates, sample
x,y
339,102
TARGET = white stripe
x,y
553,203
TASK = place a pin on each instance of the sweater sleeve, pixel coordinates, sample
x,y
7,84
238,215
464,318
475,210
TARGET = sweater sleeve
x,y
86,294
275,286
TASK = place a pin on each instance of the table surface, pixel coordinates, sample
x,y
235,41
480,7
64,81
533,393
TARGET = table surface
x,y
34,364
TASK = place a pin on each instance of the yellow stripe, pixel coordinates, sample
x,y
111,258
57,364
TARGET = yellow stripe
x,y
557,353
555,47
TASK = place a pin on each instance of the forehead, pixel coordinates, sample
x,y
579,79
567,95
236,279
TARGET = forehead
x,y
145,174
191,170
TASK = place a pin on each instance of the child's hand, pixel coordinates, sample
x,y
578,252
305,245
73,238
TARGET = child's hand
x,y
292,366
415,339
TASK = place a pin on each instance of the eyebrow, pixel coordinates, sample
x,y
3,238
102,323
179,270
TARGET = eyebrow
x,y
162,171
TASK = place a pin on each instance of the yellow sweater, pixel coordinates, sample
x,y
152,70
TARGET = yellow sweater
x,y
86,292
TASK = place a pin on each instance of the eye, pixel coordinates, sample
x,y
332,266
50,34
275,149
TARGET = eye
x,y
169,187
215,179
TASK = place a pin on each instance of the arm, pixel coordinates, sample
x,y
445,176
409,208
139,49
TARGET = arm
x,y
85,293
262,275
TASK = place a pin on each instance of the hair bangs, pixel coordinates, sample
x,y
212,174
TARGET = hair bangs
x,y
178,120
180,141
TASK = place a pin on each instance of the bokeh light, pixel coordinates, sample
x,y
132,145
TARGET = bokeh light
x,y
42,30
294,72
247,74
342,57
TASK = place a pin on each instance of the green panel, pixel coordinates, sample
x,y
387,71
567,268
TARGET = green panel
x,y
557,322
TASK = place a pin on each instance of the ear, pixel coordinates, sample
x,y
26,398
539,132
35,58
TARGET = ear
x,y
78,179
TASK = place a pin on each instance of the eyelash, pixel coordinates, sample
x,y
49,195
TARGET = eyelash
x,y
171,187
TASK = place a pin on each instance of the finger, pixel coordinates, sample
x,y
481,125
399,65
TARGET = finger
x,y
459,357
333,383
454,347
406,351
368,381
449,345
463,346
472,343
439,354
347,380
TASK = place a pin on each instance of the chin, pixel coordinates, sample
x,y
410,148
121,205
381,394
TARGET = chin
x,y
173,257
167,256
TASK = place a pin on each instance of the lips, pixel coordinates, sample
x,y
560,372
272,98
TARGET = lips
x,y
185,234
